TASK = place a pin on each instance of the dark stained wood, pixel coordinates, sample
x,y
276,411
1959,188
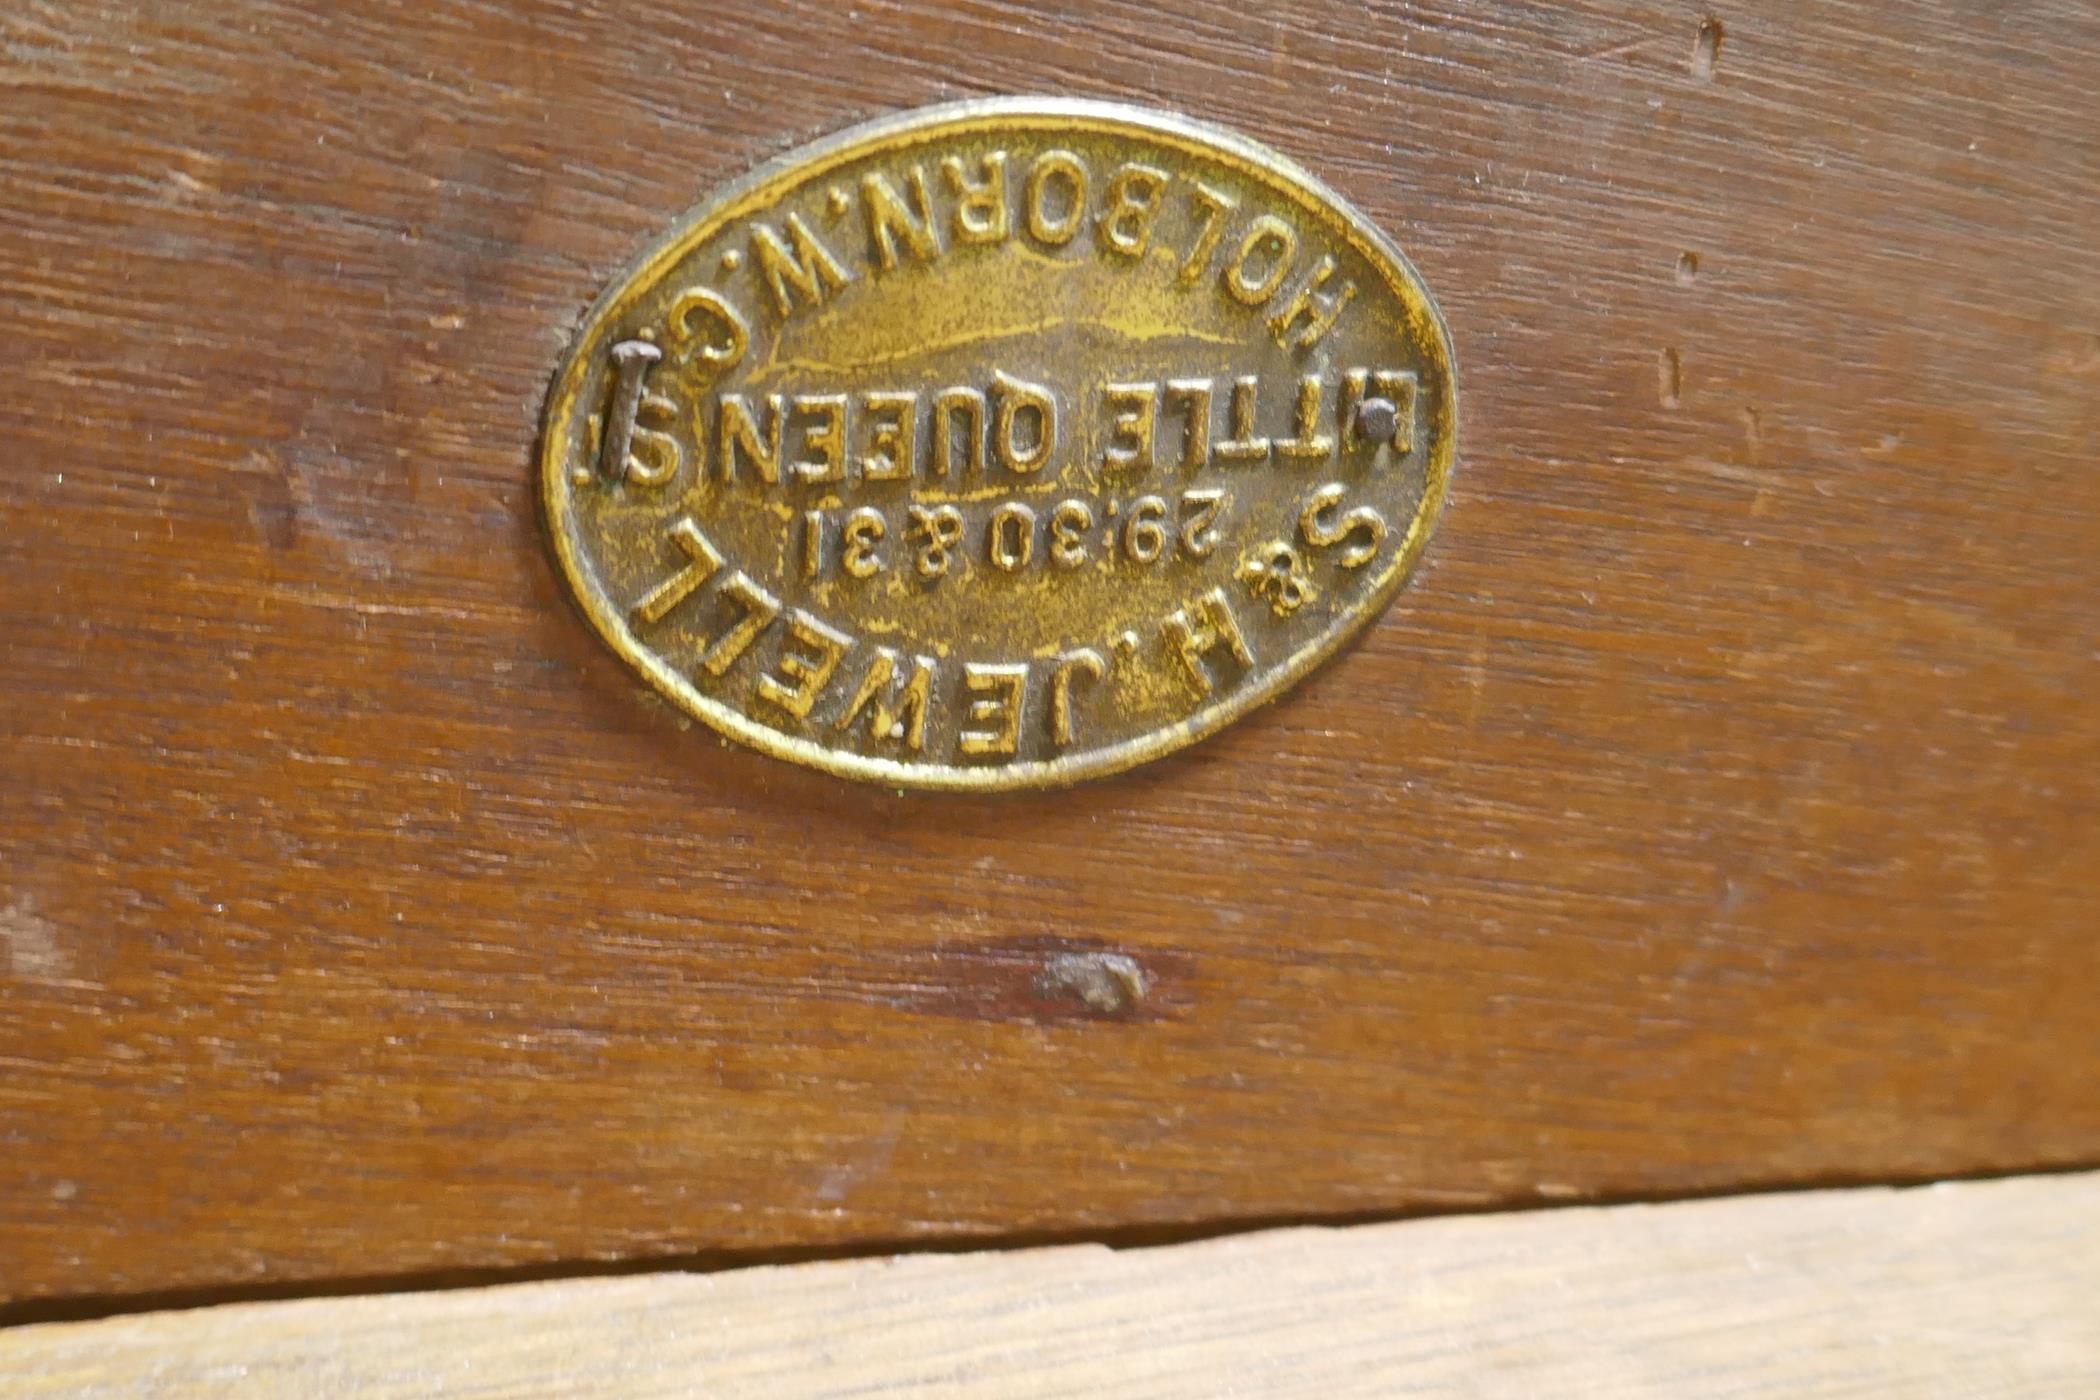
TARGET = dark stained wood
x,y
1720,806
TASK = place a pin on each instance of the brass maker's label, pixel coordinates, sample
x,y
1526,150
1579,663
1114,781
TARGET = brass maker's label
x,y
1000,444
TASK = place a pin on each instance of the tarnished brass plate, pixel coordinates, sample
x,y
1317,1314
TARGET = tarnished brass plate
x,y
999,444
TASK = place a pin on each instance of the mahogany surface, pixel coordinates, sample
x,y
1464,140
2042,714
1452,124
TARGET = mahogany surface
x,y
1718,807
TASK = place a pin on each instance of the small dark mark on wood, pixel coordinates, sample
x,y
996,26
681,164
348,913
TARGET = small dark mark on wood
x,y
1753,432
1706,48
1107,982
1669,374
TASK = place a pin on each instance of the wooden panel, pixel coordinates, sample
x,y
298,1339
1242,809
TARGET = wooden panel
x,y
1986,1289
1719,806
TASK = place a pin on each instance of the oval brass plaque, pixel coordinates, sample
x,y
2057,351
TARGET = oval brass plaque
x,y
999,444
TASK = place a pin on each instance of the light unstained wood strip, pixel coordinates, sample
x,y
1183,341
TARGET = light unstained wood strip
x,y
1984,1289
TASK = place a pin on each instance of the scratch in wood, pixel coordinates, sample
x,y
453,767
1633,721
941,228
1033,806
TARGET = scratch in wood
x,y
1753,432
1616,50
31,944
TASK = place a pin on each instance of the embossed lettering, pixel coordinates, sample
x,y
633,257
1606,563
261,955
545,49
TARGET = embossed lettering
x,y
1144,533
1320,311
702,562
1070,524
891,222
738,432
1268,246
1213,627
1242,443
893,714
1131,408
799,265
1054,171
806,670
1213,209
893,435
1085,661
996,694
1323,524
980,204
1400,386
703,327
948,405
1010,536
1128,207
941,529
653,456
1199,513
758,608
824,439
862,531
1020,449
812,543
1306,439
1194,396
1352,393
1277,572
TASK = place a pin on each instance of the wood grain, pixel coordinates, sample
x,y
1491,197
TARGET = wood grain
x,y
1984,1291
1720,805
